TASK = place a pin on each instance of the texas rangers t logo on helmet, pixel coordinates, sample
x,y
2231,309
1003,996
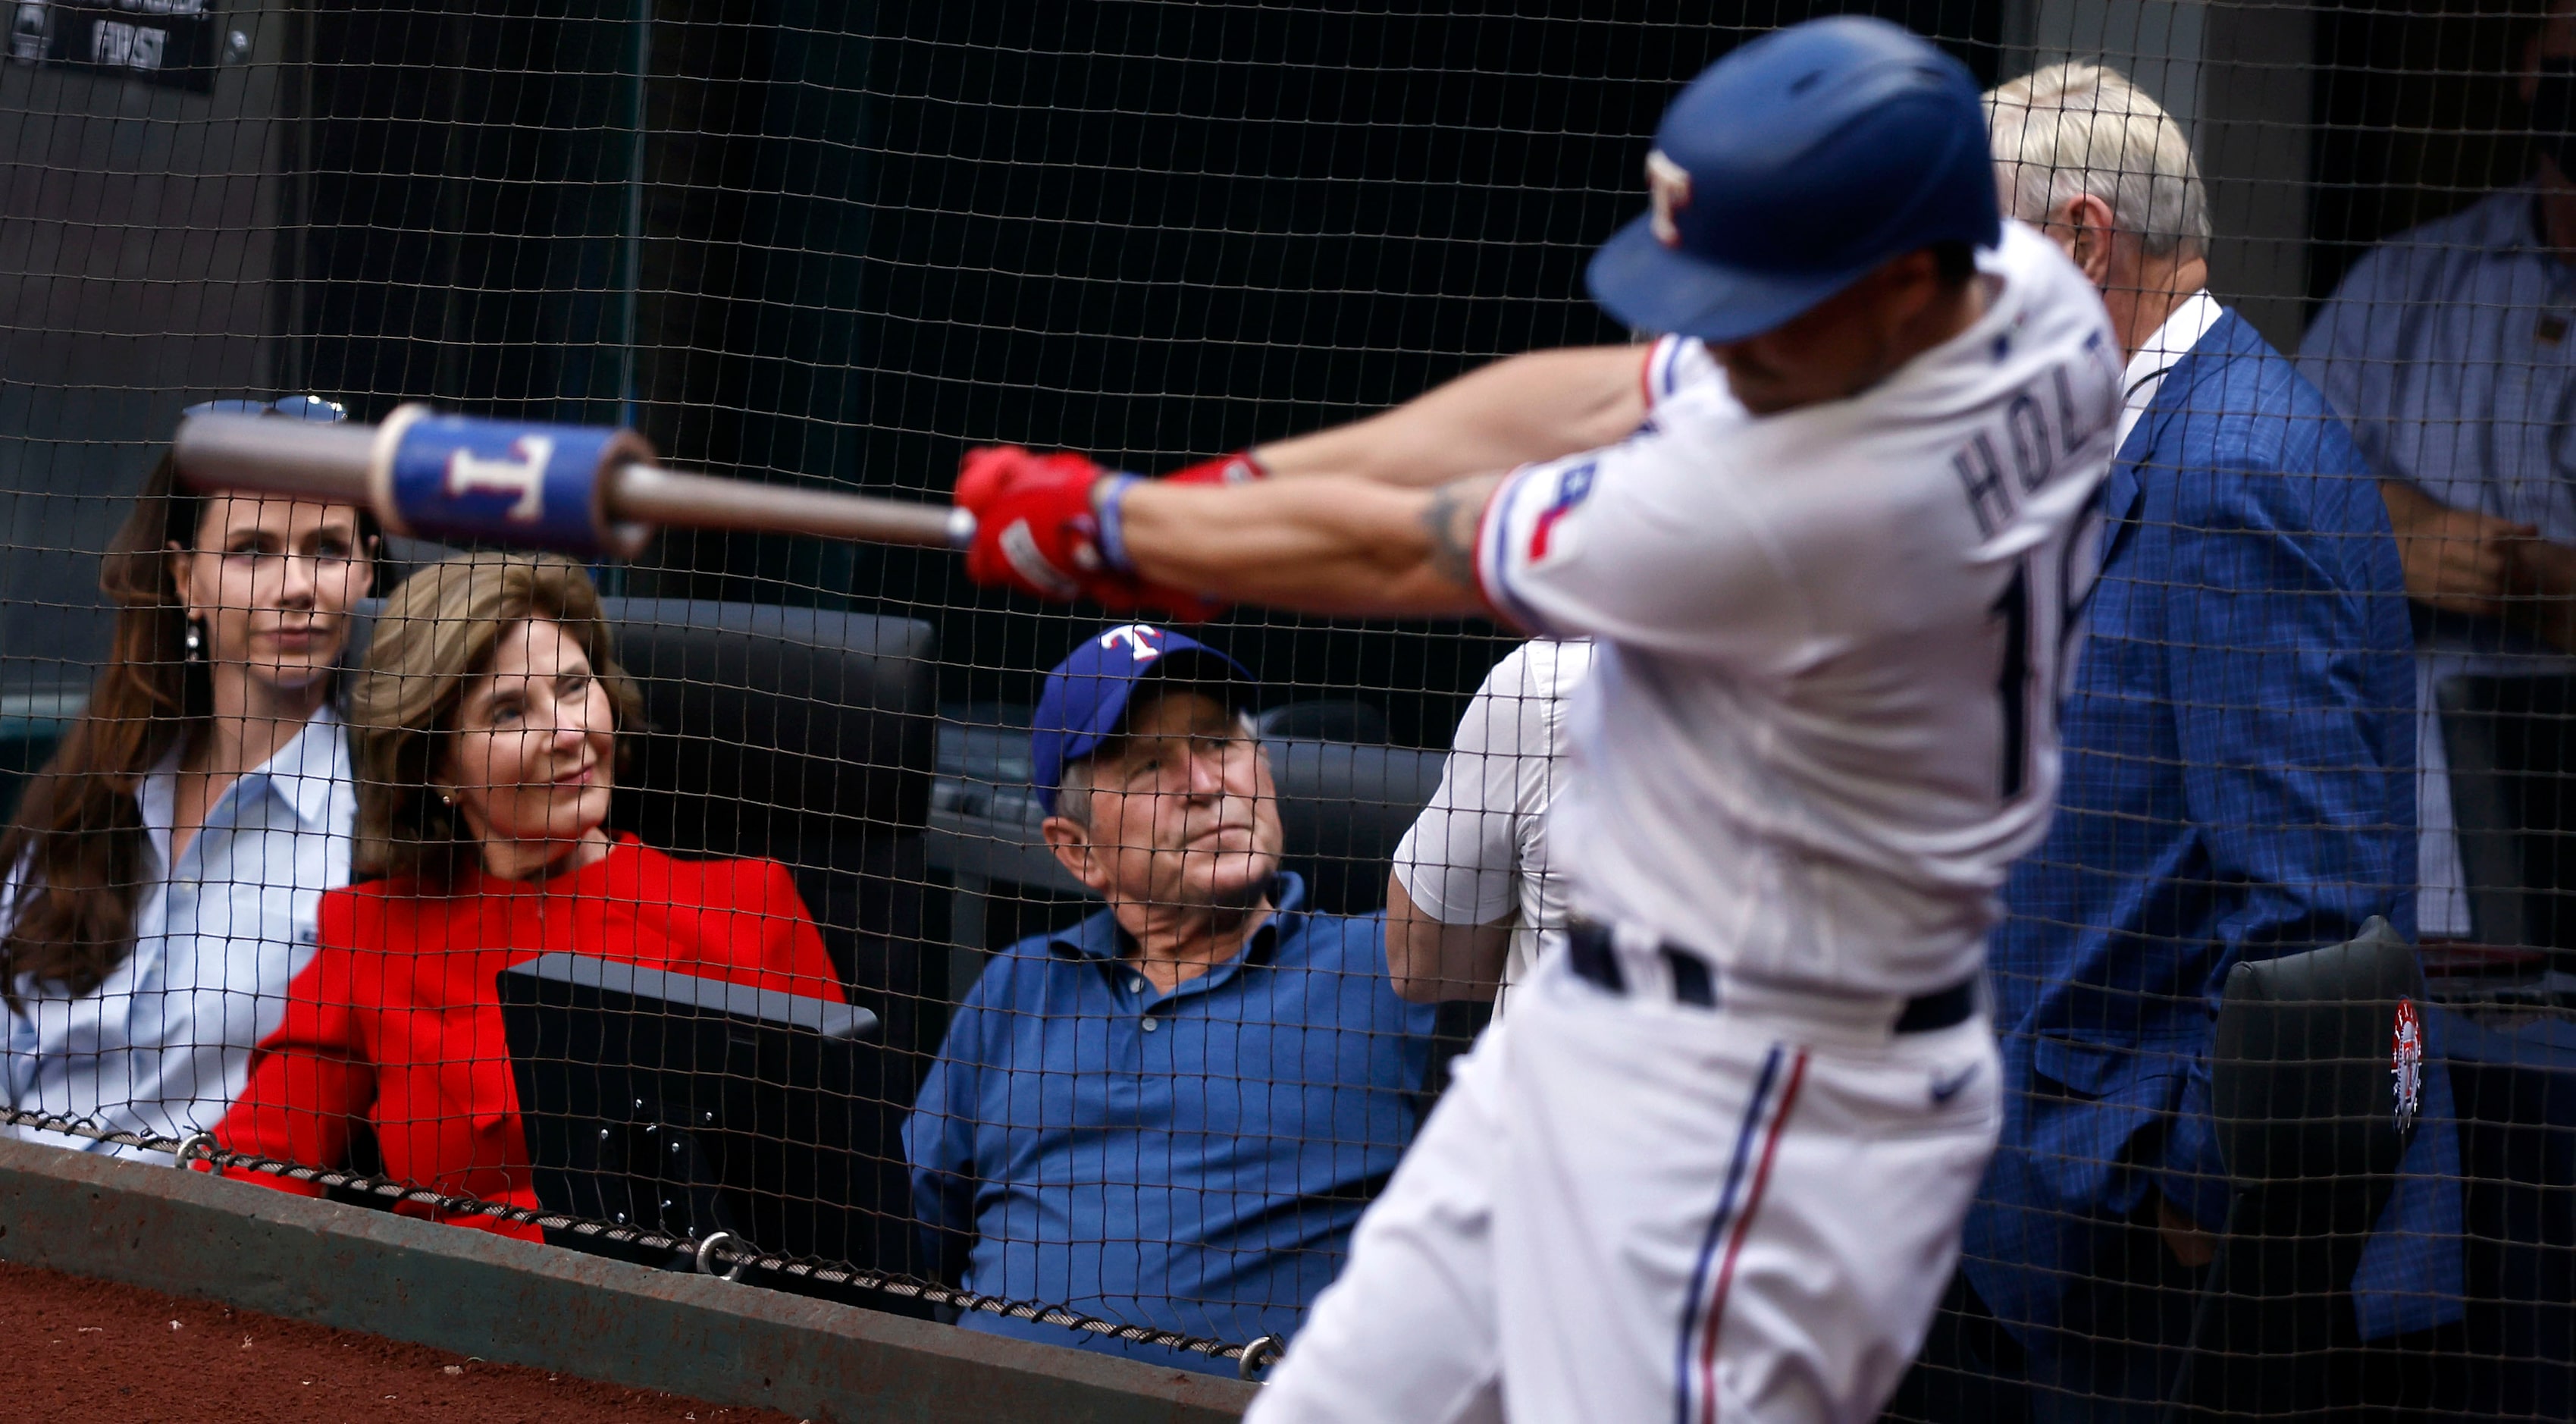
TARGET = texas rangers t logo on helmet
x,y
1139,638
1668,185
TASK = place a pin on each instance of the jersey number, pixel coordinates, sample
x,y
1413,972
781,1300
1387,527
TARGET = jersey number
x,y
2012,683
2022,674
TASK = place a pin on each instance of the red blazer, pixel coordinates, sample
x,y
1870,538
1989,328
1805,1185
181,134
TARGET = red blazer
x,y
395,1020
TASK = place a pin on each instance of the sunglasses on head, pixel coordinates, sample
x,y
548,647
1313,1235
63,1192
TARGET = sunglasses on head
x,y
328,412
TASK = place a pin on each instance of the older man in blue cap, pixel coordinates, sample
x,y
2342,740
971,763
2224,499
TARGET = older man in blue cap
x,y
1170,1114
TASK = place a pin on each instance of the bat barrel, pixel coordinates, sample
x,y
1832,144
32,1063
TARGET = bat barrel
x,y
297,458
461,478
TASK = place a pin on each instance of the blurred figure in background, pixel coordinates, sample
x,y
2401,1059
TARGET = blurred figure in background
x,y
1171,1113
165,866
486,739
2446,348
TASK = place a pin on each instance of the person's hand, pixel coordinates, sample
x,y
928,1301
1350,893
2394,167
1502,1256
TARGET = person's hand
x,y
2184,1237
2457,560
1037,530
1240,468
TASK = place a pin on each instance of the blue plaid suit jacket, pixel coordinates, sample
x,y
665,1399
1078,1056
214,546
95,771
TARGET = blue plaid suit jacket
x,y
2239,781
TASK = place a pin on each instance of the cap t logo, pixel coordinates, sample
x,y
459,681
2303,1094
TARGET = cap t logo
x,y
1668,184
1139,638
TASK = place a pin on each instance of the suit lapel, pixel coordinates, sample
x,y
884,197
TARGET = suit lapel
x,y
2150,447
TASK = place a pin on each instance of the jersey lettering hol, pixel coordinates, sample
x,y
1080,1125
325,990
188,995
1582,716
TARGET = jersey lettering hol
x,y
1822,720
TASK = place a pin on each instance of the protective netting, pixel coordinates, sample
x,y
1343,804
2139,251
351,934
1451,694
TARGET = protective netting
x,y
272,895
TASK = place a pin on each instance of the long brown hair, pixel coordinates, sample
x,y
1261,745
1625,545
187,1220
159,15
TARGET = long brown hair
x,y
437,634
79,844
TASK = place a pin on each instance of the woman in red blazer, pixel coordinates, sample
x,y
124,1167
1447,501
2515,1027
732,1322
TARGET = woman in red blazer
x,y
484,732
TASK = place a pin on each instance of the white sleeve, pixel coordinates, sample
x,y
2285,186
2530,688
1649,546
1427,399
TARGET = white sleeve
x,y
1646,545
1673,365
1460,860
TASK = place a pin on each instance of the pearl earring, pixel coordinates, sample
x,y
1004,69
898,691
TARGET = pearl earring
x,y
196,640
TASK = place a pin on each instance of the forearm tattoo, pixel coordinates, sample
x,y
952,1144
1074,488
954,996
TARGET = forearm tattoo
x,y
1451,517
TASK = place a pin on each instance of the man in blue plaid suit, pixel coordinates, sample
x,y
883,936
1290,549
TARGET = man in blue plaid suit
x,y
2240,752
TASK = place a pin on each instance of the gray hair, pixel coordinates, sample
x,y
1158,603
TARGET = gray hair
x,y
2083,129
1073,787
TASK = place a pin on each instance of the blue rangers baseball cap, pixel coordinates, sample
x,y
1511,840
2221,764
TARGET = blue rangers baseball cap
x,y
1792,167
1086,696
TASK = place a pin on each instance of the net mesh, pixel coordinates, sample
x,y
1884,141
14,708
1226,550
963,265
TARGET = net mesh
x,y
837,245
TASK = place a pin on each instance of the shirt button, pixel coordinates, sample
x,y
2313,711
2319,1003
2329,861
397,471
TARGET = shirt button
x,y
1135,986
1152,1023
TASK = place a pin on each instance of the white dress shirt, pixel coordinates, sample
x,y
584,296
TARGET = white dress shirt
x,y
2182,330
163,1045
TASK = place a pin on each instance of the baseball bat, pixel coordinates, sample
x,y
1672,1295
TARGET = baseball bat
x,y
589,491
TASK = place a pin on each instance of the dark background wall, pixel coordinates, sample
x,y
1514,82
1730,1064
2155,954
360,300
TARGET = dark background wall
x,y
2416,116
875,234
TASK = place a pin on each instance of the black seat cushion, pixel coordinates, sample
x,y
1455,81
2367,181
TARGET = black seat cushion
x,y
2307,1080
1342,809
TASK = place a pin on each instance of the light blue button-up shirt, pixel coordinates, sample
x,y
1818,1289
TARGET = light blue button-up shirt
x,y
163,1045
2450,350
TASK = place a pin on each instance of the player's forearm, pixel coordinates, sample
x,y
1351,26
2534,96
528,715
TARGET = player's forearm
x,y
1535,406
1429,962
1322,545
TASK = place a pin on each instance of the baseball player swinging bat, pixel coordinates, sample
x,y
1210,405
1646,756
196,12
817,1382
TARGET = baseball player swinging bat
x,y
582,490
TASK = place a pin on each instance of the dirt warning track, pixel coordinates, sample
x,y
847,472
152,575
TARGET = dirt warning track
x,y
81,1350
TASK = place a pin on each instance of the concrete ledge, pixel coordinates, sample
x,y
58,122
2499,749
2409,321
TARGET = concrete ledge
x,y
479,1294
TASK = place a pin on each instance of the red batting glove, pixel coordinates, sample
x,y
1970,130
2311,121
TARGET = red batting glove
x,y
1239,468
1034,528
1036,531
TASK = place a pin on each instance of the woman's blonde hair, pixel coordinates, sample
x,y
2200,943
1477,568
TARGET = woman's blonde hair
x,y
435,635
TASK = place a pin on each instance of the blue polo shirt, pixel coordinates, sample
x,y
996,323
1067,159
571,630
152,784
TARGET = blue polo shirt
x,y
1191,1161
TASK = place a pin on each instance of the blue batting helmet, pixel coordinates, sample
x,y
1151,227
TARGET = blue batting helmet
x,y
1793,166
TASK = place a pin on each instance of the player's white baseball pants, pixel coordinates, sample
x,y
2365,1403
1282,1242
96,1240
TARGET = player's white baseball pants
x,y
1629,1209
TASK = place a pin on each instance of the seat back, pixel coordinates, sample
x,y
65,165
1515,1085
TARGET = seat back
x,y
804,735
775,731
2313,1082
1342,809
2318,1061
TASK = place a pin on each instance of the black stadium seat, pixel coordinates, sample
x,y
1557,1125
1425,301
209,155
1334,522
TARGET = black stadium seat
x,y
1342,809
804,735
2313,1114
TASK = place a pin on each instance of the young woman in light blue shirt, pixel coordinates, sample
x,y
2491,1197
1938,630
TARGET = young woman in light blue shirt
x,y
165,866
